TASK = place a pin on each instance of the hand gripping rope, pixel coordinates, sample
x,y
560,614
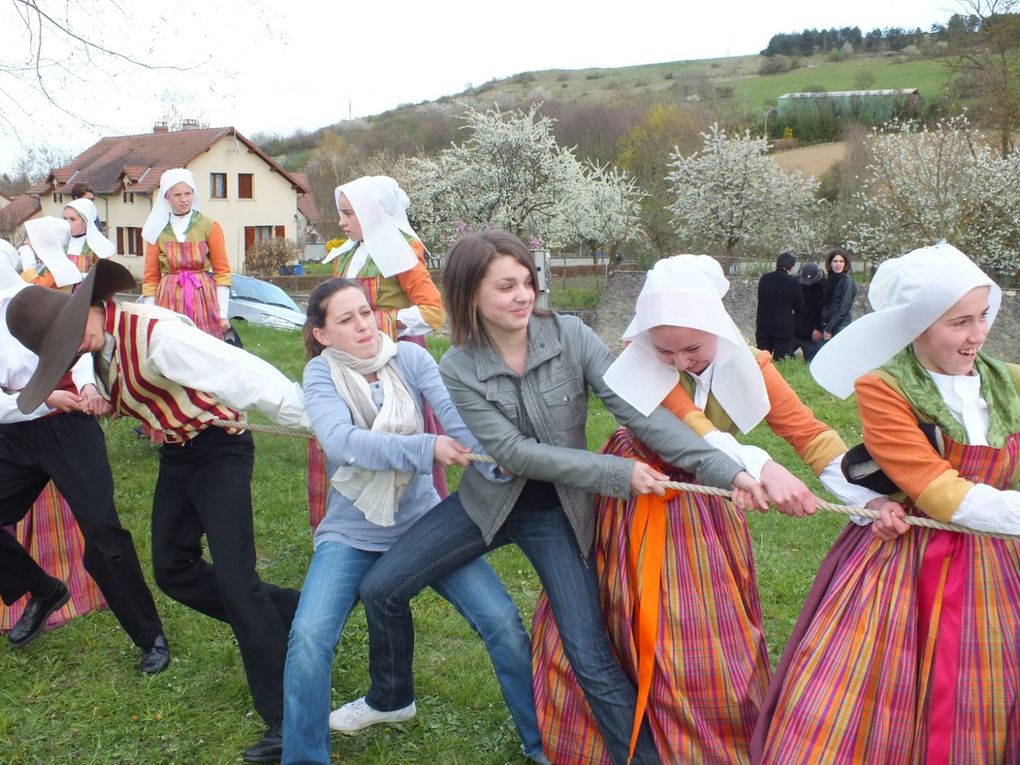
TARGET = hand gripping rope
x,y
829,507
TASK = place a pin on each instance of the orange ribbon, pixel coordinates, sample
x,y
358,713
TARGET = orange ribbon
x,y
647,531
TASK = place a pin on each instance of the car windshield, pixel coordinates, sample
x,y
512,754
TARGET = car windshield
x,y
258,291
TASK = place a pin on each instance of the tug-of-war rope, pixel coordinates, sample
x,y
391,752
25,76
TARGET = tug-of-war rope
x,y
829,507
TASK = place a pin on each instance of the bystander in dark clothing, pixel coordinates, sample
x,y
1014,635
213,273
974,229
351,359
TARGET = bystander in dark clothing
x,y
778,300
839,294
808,319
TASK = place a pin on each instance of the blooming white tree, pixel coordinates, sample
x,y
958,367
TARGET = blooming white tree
x,y
606,212
731,195
923,184
511,173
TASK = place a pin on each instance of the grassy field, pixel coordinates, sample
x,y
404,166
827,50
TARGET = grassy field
x,y
677,79
75,694
927,75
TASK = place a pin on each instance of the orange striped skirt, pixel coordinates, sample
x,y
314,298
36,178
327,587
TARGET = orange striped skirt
x,y
856,682
51,536
710,667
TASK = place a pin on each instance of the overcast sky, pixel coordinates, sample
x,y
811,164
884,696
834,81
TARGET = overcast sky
x,y
274,66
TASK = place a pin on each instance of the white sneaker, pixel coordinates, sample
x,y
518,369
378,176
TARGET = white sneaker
x,y
358,715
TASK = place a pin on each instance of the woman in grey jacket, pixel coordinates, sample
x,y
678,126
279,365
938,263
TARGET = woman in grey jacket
x,y
520,377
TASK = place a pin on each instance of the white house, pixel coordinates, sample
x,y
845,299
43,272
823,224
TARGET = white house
x,y
239,186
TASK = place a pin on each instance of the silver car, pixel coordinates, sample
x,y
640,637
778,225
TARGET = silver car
x,y
258,302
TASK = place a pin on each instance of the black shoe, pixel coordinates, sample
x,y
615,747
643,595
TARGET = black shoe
x,y
269,748
156,657
36,612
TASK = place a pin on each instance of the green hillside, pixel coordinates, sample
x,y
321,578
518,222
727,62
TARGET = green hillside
x,y
680,79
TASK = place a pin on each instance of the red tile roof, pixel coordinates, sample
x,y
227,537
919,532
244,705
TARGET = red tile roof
x,y
306,202
142,159
17,212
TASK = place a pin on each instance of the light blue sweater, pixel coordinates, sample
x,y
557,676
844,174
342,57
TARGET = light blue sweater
x,y
345,443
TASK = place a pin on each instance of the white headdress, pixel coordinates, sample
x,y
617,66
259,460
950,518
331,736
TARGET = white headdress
x,y
381,206
687,291
909,294
97,242
49,237
9,259
160,213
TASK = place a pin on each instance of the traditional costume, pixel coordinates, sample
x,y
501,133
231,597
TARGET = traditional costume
x,y
157,367
186,265
48,532
390,264
40,447
908,651
677,574
86,248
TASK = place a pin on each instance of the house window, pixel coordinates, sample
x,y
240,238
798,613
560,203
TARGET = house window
x,y
129,240
255,234
129,197
245,186
217,185
56,199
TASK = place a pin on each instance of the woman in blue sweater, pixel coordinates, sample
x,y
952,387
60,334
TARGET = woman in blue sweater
x,y
364,396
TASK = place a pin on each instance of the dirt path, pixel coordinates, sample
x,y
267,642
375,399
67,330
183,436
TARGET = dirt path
x,y
811,160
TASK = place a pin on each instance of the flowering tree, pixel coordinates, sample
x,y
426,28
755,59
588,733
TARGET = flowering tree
x,y
511,173
923,184
606,211
731,194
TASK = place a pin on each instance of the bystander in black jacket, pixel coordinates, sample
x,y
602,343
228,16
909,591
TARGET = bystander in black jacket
x,y
839,294
779,299
808,319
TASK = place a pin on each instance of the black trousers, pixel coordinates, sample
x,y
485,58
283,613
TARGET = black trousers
x,y
781,347
204,487
70,449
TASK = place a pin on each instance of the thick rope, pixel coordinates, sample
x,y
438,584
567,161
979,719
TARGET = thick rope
x,y
829,507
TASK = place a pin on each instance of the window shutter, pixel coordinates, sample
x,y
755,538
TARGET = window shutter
x,y
120,239
281,232
244,186
249,238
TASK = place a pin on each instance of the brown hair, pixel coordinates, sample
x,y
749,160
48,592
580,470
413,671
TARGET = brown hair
x,y
316,312
466,264
843,254
80,189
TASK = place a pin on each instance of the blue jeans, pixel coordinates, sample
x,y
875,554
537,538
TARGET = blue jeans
x,y
441,542
327,599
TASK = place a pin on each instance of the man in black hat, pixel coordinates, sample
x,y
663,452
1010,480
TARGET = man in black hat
x,y
778,300
56,440
812,286
158,367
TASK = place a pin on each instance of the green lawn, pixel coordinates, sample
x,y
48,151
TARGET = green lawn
x,y
927,75
75,694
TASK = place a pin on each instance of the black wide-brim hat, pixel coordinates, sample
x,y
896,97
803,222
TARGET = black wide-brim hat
x,y
51,324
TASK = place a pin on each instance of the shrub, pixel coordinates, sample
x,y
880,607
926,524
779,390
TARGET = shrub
x,y
774,65
265,258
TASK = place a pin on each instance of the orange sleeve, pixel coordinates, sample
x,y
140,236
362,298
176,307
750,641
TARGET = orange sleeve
x,y
218,256
46,280
417,284
790,418
902,451
153,271
680,403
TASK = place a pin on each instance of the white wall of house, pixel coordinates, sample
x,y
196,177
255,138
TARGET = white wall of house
x,y
270,211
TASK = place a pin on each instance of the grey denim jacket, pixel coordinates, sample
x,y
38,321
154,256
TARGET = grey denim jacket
x,y
524,423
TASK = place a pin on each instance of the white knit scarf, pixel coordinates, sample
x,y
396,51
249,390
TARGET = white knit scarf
x,y
375,492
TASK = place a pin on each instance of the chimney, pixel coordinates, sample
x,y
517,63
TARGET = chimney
x,y
160,127
190,124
